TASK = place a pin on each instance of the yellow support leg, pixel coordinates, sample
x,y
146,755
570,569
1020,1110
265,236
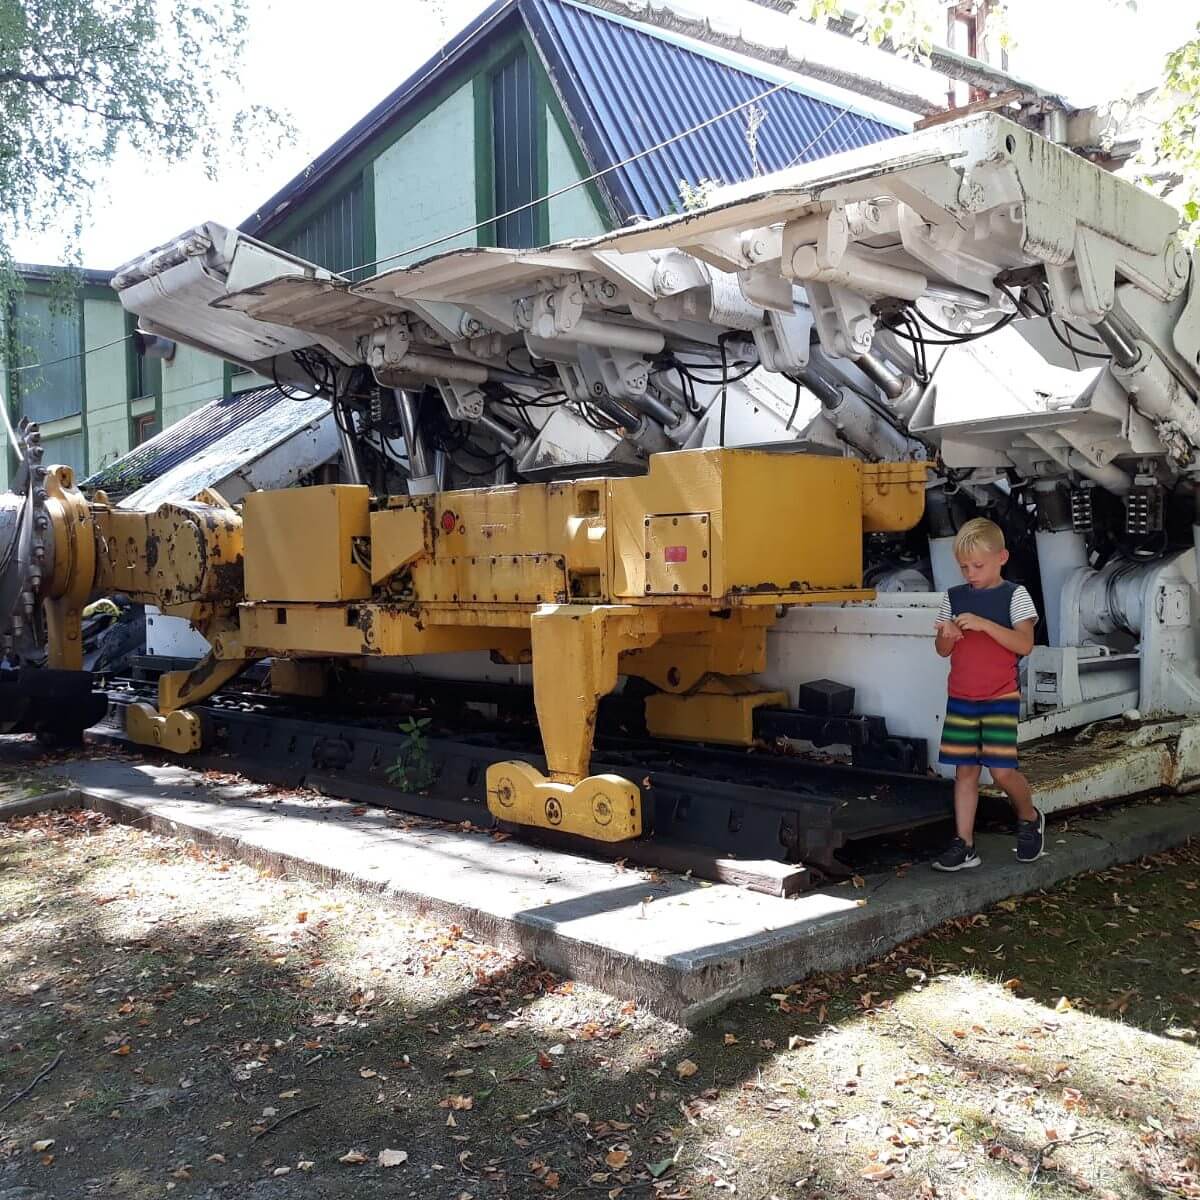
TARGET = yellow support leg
x,y
179,688
171,726
576,652
605,808
178,732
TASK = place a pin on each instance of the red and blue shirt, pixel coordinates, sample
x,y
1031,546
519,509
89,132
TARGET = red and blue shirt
x,y
981,668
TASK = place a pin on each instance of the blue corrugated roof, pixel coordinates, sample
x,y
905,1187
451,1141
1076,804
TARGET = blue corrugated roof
x,y
628,88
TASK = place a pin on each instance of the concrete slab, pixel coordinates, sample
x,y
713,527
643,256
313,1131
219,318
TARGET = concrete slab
x,y
683,948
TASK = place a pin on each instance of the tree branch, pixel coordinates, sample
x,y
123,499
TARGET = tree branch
x,y
33,1082
38,80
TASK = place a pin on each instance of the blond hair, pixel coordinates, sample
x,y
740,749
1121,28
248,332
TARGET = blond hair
x,y
979,533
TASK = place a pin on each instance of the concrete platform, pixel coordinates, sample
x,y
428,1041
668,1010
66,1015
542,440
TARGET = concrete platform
x,y
683,948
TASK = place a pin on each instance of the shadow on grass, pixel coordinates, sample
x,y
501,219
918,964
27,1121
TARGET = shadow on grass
x,y
189,997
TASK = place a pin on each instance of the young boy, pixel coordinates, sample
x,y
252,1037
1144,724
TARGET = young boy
x,y
984,627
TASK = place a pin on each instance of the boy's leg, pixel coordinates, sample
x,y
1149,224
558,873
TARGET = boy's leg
x,y
961,746
960,854
1031,824
966,801
1016,787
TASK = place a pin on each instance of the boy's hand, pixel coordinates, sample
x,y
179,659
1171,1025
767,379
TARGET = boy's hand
x,y
949,631
972,623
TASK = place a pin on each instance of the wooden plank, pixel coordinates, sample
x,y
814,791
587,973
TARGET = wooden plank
x,y
988,104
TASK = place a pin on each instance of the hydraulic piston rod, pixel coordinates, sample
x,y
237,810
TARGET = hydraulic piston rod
x,y
421,480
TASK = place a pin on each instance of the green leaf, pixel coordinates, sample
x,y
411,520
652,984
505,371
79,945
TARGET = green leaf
x,y
659,1169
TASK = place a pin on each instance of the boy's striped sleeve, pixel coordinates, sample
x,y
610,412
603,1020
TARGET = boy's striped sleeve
x,y
944,613
1021,607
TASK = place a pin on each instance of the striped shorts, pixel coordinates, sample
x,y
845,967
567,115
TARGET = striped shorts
x,y
981,732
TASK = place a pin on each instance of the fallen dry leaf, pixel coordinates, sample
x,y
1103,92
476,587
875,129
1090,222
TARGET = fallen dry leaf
x,y
353,1157
616,1159
392,1158
45,1144
686,1069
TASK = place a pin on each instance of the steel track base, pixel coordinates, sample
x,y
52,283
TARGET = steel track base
x,y
712,811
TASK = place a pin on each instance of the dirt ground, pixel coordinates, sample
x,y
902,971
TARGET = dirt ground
x,y
194,1028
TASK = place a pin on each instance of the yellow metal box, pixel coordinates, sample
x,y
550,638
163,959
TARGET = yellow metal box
x,y
299,544
778,523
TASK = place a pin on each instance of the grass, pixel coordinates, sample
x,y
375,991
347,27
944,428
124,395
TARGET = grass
x,y
1044,1047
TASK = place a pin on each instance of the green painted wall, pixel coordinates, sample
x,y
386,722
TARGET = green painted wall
x,y
425,182
104,430
574,214
106,375
189,380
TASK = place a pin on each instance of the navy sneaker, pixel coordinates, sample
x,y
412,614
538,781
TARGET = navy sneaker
x,y
1031,836
957,857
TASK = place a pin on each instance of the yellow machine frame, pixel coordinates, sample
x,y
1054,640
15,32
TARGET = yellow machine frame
x,y
674,576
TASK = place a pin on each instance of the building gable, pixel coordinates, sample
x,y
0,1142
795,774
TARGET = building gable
x,y
531,99
627,88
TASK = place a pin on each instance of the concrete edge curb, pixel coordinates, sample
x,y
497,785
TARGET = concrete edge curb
x,y
60,799
787,961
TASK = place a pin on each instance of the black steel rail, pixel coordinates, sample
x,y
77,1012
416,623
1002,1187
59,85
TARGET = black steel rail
x,y
738,804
